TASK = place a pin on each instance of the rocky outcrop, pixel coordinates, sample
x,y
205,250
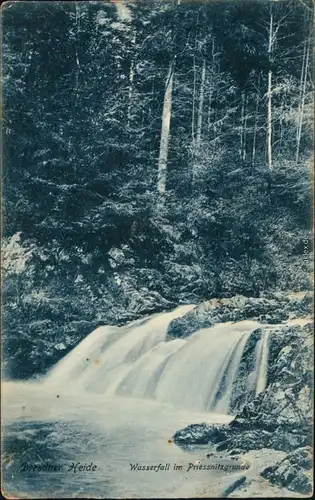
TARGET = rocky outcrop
x,y
204,433
273,309
241,393
287,400
279,418
238,438
293,472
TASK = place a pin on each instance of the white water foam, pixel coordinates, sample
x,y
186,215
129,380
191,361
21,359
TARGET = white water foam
x,y
262,361
135,361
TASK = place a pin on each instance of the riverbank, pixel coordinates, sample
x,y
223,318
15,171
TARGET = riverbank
x,y
125,392
278,419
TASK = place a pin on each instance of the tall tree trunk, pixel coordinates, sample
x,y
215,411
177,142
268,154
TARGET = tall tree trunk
x,y
282,110
210,105
303,82
211,90
269,93
255,126
165,132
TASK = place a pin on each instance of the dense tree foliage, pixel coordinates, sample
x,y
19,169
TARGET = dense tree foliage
x,y
88,236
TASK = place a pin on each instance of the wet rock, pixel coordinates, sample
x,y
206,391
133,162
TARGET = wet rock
x,y
200,434
279,439
245,441
274,309
148,302
301,483
241,392
302,457
235,440
279,417
236,451
292,472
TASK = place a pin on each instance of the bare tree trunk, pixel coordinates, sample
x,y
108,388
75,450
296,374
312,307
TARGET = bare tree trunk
x,y
209,106
281,127
269,93
255,126
165,132
300,104
303,82
211,90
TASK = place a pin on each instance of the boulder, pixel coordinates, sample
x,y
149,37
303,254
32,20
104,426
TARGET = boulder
x,y
200,434
292,472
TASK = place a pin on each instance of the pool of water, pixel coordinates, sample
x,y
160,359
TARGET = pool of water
x,y
49,429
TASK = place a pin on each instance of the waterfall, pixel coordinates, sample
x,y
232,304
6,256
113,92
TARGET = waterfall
x,y
109,352
196,373
144,375
231,368
193,376
262,361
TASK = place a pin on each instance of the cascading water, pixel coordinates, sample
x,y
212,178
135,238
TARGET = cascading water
x,y
224,394
108,352
135,361
262,361
193,376
124,392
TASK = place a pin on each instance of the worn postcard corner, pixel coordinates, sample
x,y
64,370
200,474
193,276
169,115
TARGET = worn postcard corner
x,y
157,246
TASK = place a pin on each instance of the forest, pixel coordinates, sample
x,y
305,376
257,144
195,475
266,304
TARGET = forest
x,y
155,153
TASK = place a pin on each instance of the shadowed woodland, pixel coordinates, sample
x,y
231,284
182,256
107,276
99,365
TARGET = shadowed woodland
x,y
154,153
